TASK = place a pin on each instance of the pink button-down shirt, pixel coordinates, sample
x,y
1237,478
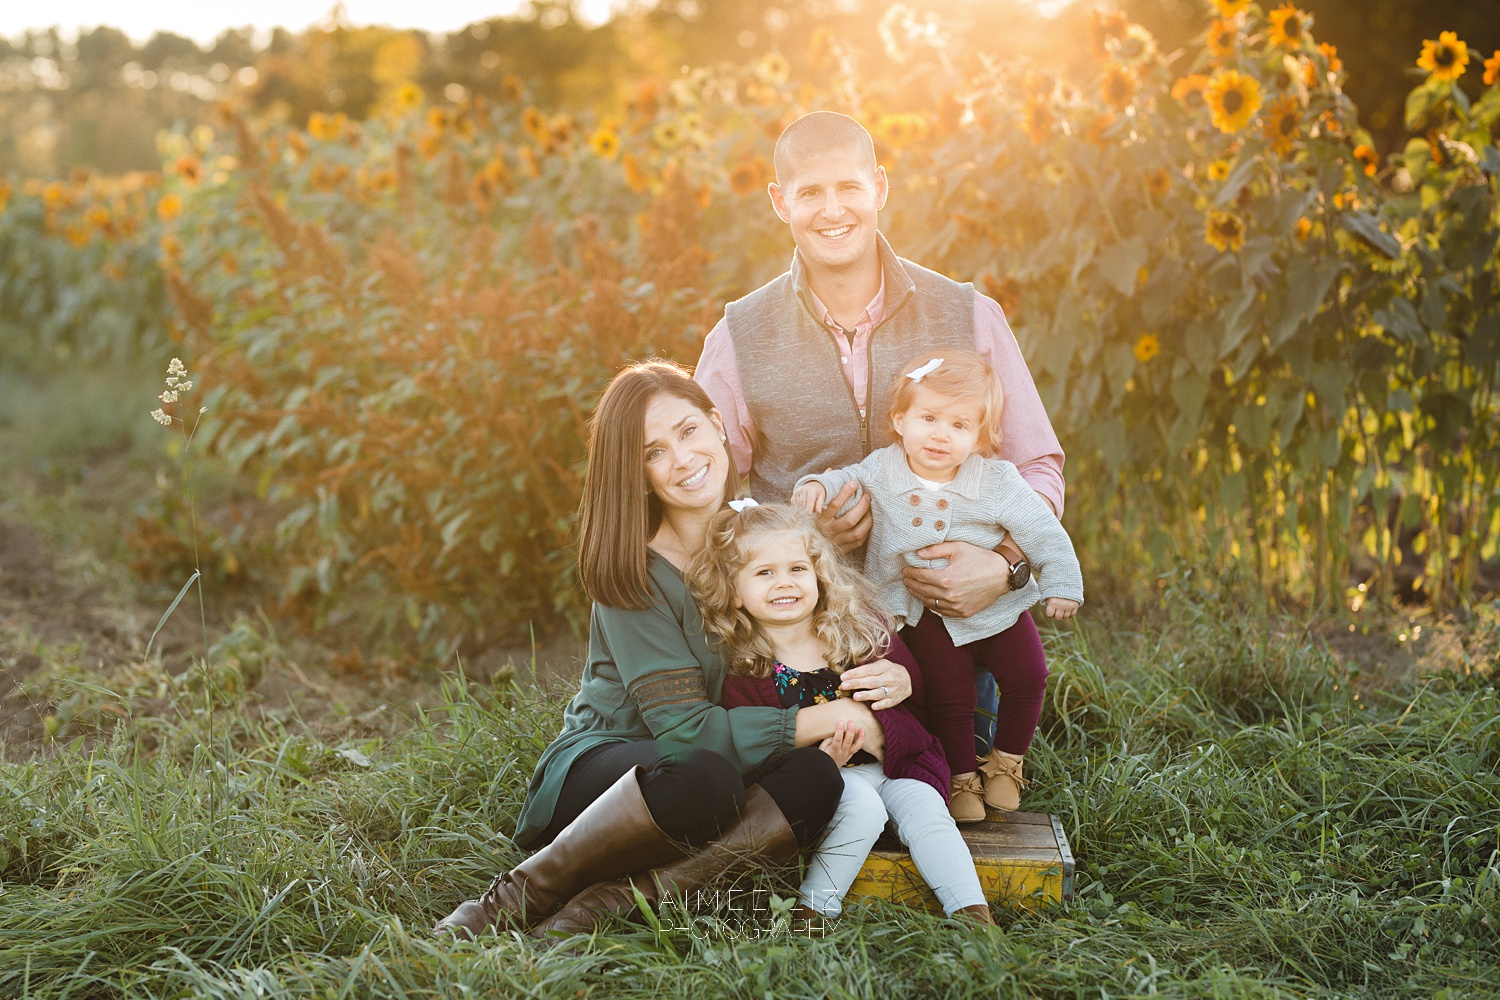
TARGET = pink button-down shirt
x,y
1028,439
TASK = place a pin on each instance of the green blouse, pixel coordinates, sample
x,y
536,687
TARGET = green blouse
x,y
651,675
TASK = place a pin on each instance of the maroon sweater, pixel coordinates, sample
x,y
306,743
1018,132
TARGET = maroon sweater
x,y
910,750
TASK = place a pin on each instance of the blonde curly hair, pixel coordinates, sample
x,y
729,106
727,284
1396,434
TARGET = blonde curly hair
x,y
845,619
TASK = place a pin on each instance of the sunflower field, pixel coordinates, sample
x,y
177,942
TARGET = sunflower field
x,y
1262,341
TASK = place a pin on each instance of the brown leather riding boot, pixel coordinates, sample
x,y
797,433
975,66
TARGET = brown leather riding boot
x,y
614,836
761,839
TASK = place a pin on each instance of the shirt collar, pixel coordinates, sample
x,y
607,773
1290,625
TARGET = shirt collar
x,y
969,482
896,286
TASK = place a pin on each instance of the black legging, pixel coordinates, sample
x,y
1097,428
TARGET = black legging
x,y
694,794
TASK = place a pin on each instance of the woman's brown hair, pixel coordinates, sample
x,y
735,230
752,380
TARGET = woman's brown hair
x,y
619,512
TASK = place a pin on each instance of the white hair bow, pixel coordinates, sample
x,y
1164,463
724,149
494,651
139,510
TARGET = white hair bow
x,y
740,506
925,370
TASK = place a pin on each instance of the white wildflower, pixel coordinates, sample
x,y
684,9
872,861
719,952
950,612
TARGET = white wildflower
x,y
185,387
170,396
160,417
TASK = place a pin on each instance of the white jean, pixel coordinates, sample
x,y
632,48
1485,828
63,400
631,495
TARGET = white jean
x,y
920,818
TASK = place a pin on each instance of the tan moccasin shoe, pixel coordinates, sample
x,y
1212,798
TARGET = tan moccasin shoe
x,y
966,800
1003,782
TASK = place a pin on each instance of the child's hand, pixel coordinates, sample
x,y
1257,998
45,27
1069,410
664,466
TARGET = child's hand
x,y
810,497
1061,607
845,742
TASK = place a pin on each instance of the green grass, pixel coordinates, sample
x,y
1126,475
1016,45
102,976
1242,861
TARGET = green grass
x,y
1246,824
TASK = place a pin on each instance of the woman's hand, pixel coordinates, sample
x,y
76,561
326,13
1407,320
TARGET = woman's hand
x,y
844,743
816,724
880,683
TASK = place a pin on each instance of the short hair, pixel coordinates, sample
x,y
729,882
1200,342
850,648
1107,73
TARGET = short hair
x,y
853,632
816,133
619,512
962,375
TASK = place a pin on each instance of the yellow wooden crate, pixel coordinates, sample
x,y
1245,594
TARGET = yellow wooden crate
x,y
1023,860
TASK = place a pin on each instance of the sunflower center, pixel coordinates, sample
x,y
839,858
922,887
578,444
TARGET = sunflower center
x,y
1233,101
1288,124
1293,27
1445,56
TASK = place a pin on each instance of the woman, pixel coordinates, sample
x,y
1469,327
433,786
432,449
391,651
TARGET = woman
x,y
650,777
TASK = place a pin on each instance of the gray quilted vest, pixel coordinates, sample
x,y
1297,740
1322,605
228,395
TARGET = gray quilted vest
x,y
806,417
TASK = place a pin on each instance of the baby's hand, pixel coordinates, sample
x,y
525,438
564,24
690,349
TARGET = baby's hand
x,y
1061,607
845,742
810,497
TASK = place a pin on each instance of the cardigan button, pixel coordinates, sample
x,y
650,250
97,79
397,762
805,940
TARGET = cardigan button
x,y
942,505
939,525
916,522
916,501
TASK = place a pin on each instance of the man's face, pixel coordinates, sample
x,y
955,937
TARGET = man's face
x,y
832,202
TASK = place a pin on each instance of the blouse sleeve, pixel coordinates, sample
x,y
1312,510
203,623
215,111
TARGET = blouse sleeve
x,y
665,681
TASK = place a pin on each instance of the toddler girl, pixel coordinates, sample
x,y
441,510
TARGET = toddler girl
x,y
789,618
936,483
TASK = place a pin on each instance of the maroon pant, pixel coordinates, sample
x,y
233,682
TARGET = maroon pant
x,y
1013,657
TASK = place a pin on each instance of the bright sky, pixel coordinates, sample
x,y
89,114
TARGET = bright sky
x,y
206,19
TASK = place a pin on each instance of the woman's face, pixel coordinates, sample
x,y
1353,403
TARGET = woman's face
x,y
686,460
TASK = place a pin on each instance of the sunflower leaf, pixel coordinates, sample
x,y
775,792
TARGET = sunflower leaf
x,y
1367,227
1121,263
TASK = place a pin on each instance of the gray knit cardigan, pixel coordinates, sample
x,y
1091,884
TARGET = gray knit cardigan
x,y
985,502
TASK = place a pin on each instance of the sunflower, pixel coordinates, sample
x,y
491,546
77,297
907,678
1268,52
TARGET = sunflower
x,y
1367,158
560,134
1136,47
668,135
1282,123
1289,27
1159,182
1147,347
1037,119
326,128
750,174
408,97
1118,87
441,119
1233,98
1217,170
773,68
1223,39
169,208
1229,8
605,143
1224,231
1330,54
535,124
189,169
1304,229
1446,58
512,89
1492,69
1188,91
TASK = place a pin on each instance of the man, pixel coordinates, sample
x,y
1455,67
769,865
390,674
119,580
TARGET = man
x,y
799,368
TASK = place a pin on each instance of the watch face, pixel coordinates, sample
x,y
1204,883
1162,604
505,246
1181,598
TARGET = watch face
x,y
1020,575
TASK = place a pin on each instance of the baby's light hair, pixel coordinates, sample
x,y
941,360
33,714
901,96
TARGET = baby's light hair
x,y
962,375
844,618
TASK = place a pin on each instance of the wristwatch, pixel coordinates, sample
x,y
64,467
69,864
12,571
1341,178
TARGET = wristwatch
x,y
1020,573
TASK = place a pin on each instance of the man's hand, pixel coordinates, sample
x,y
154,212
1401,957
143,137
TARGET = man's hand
x,y
1061,607
810,497
845,742
850,530
973,579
